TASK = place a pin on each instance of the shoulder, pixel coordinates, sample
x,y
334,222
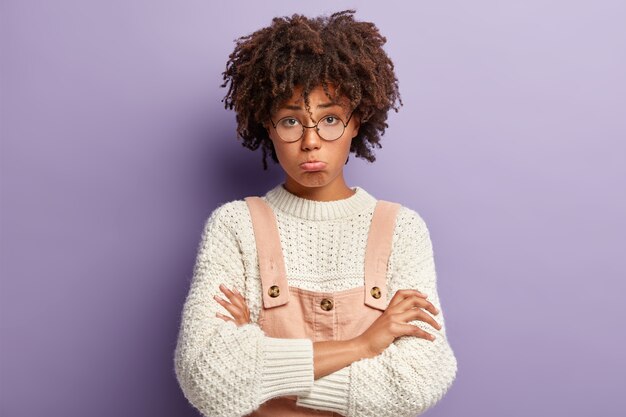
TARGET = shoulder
x,y
409,223
228,217
411,233
229,211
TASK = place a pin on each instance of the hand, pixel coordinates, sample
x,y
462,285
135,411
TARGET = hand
x,y
237,306
405,306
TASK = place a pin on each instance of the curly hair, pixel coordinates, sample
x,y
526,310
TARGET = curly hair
x,y
266,65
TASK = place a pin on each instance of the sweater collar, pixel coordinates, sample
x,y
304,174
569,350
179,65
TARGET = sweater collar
x,y
281,199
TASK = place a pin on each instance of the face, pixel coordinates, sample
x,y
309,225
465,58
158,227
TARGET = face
x,y
331,154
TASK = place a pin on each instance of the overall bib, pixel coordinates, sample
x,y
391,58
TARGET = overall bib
x,y
295,313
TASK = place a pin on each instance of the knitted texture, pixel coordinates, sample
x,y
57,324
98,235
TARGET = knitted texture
x,y
225,370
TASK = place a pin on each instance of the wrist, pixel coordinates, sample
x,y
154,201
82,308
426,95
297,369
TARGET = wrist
x,y
361,347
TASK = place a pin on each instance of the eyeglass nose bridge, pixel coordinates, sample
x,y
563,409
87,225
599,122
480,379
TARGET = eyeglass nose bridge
x,y
316,127
317,130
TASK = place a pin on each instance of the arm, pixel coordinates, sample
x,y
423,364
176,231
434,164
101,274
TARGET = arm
x,y
412,374
334,355
223,369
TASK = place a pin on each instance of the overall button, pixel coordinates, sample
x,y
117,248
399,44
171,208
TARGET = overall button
x,y
375,292
274,291
327,304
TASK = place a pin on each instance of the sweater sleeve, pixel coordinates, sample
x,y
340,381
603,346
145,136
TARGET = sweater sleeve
x,y
412,374
222,369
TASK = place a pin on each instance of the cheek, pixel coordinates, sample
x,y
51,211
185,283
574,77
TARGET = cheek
x,y
283,153
347,143
277,147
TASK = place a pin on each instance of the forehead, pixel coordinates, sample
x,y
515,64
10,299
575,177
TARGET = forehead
x,y
317,99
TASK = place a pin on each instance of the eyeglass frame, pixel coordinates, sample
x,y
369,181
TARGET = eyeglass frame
x,y
314,126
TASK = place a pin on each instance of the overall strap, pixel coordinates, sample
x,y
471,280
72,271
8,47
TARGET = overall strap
x,y
270,255
377,252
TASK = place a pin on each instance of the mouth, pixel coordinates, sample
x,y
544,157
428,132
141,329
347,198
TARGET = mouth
x,y
313,165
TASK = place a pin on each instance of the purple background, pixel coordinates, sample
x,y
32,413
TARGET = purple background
x,y
116,148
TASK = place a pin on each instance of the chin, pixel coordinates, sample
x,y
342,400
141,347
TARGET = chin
x,y
312,179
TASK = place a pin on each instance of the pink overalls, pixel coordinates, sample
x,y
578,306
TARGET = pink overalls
x,y
291,312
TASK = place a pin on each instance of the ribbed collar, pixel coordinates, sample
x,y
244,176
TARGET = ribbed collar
x,y
281,199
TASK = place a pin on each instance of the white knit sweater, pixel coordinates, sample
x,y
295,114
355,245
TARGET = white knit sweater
x,y
225,370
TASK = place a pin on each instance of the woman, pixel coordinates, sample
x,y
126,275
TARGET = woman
x,y
329,299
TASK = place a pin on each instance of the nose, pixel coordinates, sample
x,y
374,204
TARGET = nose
x,y
311,139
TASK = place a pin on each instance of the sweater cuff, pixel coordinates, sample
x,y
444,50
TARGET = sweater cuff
x,y
329,393
287,367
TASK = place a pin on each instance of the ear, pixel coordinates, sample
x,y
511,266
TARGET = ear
x,y
268,129
357,125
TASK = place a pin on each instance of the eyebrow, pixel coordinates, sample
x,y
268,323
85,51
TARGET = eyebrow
x,y
321,106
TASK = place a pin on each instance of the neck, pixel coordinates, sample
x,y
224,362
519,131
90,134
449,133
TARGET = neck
x,y
336,190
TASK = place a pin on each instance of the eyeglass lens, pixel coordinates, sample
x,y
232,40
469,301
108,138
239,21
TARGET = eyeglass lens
x,y
291,129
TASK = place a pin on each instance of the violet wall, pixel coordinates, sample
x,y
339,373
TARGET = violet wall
x,y
115,147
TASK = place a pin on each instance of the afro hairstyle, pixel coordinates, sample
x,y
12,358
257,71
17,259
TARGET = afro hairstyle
x,y
266,65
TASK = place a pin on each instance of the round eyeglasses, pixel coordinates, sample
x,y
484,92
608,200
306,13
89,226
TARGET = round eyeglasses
x,y
329,128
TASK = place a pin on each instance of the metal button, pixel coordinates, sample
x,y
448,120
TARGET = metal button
x,y
375,291
327,304
274,291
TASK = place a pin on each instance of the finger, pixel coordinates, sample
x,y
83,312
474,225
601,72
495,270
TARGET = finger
x,y
234,298
411,330
402,294
240,316
223,317
232,309
419,314
411,301
241,298
236,291
411,291
415,301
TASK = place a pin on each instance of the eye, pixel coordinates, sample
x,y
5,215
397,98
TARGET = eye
x,y
331,120
289,122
